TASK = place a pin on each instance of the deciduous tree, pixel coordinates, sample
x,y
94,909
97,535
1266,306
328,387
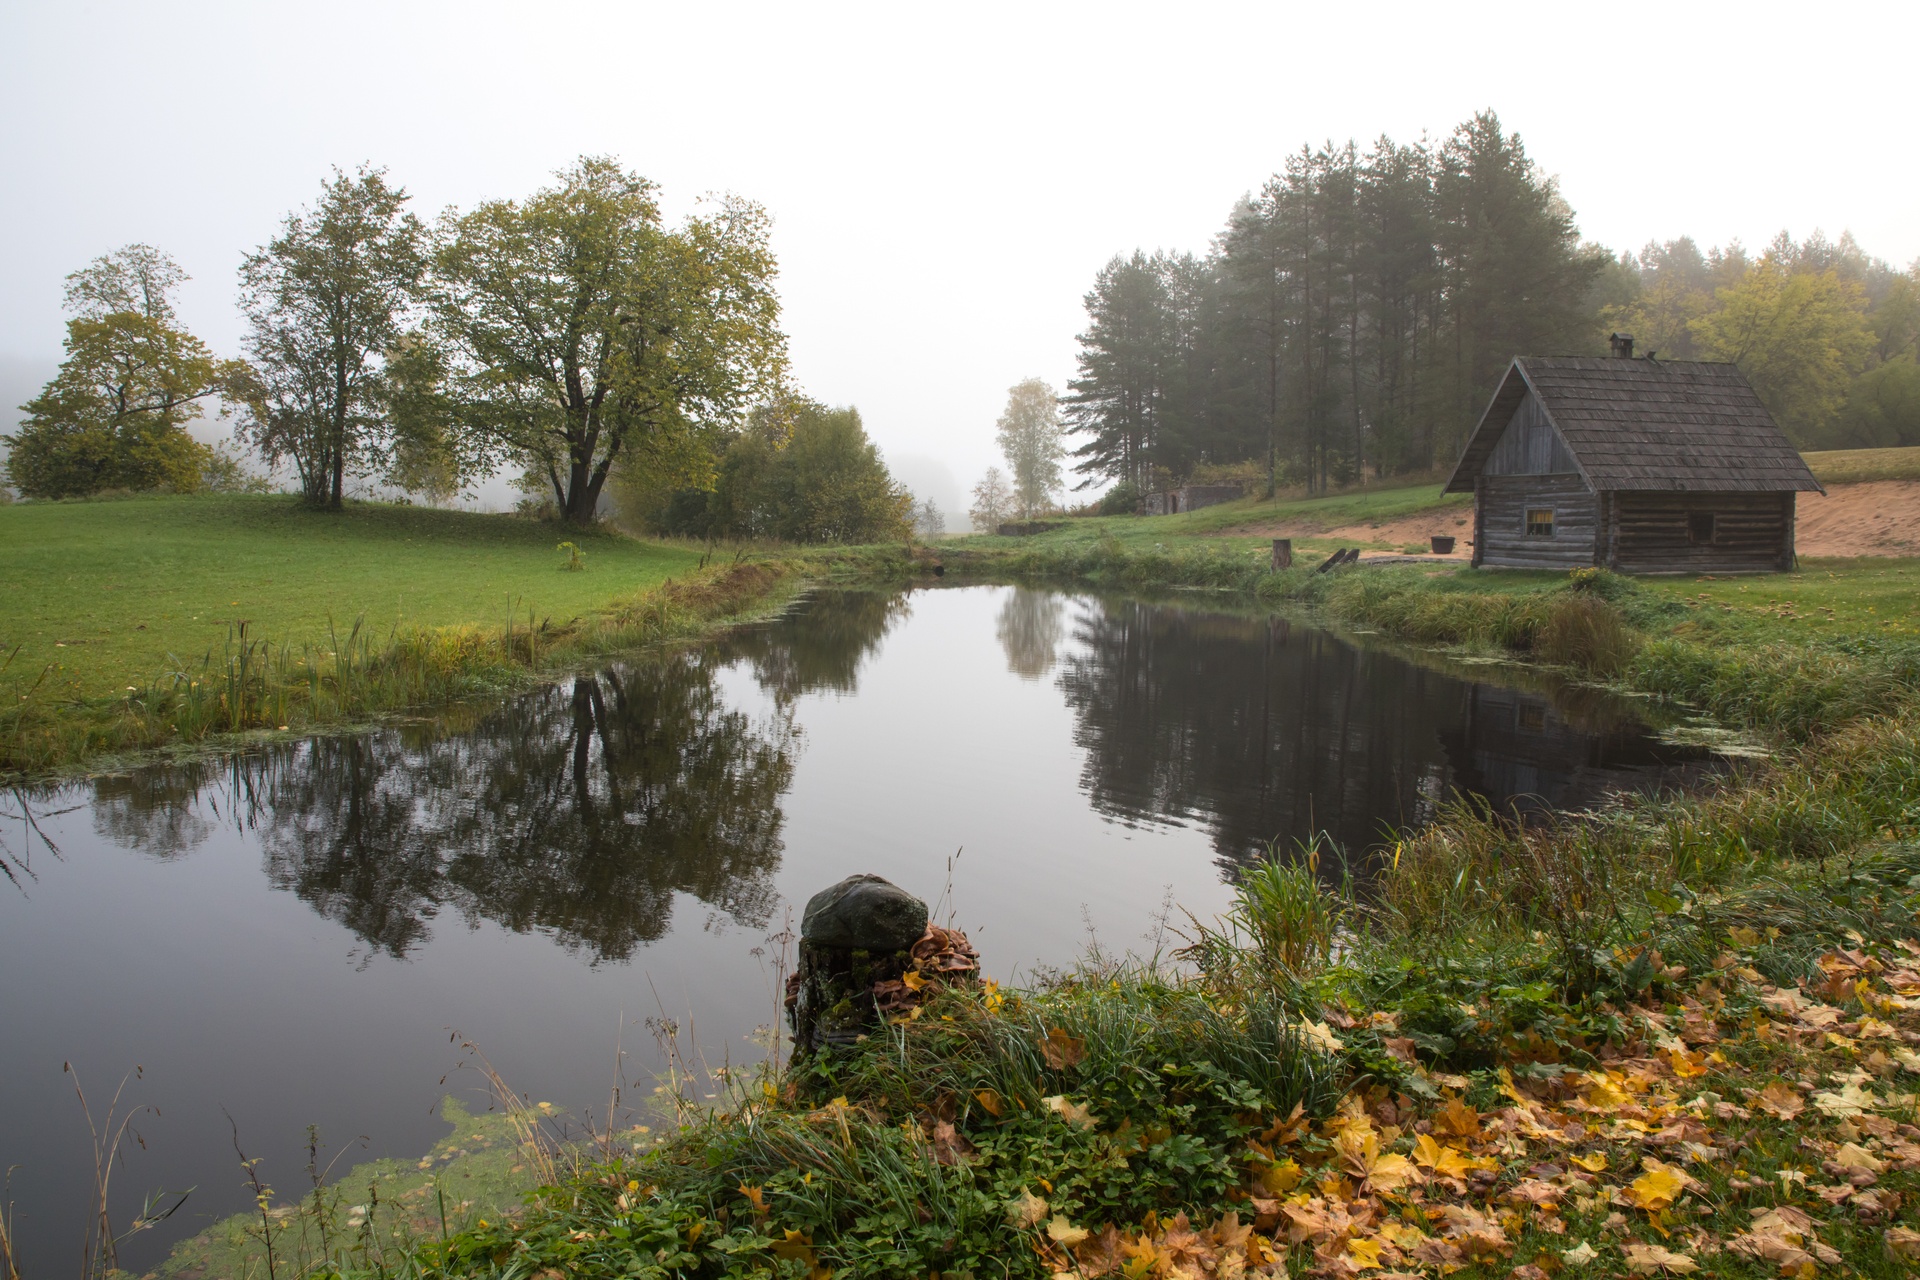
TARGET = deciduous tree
x,y
1029,433
580,329
1800,337
327,300
992,501
114,416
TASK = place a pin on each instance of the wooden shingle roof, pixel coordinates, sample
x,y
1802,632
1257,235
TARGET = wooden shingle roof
x,y
1645,424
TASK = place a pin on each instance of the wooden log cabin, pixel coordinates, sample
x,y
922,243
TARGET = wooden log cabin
x,y
1636,464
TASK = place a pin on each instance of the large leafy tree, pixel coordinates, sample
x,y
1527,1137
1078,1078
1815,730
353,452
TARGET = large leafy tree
x,y
114,416
580,331
1800,337
327,300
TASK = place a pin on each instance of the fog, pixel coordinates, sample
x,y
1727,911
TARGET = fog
x,y
944,182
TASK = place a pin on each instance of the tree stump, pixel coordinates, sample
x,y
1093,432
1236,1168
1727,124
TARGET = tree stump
x,y
867,952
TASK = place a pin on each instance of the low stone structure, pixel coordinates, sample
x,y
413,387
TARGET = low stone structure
x,y
1189,497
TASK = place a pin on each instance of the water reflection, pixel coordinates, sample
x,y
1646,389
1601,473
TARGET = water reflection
x,y
580,811
1262,731
1030,627
583,809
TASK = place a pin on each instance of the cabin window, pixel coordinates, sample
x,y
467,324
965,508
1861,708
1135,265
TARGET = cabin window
x,y
1539,522
1700,526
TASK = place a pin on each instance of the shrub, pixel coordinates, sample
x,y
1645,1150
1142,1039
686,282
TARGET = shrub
x,y
1121,500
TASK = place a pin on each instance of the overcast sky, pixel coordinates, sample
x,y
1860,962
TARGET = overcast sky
x,y
945,181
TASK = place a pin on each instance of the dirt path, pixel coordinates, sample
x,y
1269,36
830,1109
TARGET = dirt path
x,y
1397,533
1873,518
1869,518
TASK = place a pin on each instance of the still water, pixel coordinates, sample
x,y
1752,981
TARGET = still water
x,y
298,935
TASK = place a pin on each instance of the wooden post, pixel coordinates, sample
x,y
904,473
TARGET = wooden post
x,y
1283,553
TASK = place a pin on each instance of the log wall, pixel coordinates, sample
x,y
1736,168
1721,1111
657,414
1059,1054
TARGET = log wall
x,y
1648,532
1500,523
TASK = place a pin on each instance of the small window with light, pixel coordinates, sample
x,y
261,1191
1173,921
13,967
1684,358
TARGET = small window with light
x,y
1539,522
1700,527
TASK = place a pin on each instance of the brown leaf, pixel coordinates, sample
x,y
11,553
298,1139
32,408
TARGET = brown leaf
x,y
1060,1050
950,1146
1649,1258
1779,1099
1099,1253
1457,1120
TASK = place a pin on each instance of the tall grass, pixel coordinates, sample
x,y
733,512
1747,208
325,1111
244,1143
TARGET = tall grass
x,y
254,683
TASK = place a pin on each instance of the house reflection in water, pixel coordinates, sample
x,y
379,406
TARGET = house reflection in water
x,y
1525,754
1265,733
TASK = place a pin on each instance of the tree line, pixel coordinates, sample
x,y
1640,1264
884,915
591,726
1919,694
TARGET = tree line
x,y
573,337
1352,316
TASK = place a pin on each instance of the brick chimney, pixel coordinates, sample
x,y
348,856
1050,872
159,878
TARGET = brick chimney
x,y
1622,345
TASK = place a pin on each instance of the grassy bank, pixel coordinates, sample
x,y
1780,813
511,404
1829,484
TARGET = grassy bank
x,y
161,622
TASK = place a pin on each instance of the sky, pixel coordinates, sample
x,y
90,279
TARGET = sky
x,y
944,180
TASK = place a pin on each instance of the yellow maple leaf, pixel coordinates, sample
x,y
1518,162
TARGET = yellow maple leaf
x,y
1364,1254
1450,1162
1592,1163
1687,1065
1655,1189
1064,1233
1457,1119
990,1101
1282,1176
912,980
1604,1092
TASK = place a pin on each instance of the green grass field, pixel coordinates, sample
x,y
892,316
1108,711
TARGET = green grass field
x,y
1851,466
111,593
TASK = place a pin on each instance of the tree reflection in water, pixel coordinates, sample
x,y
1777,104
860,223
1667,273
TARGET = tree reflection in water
x,y
1030,628
579,810
1262,732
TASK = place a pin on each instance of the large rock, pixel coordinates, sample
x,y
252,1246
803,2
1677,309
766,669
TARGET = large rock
x,y
863,913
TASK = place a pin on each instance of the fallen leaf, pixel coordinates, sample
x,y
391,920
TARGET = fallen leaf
x,y
1850,1100
1320,1036
1060,1050
1364,1254
1593,1162
1580,1255
1026,1210
1282,1176
990,1101
1457,1119
1780,1099
1902,1243
1073,1113
1380,1172
1655,1189
1649,1258
1064,1233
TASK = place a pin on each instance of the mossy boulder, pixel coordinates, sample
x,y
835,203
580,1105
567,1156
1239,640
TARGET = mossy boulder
x,y
863,913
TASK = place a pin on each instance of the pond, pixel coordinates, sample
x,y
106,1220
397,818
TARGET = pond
x,y
301,934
